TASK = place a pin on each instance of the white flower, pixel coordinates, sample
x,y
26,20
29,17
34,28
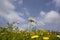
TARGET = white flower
x,y
58,36
31,20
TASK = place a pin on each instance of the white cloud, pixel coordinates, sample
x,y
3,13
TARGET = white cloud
x,y
42,14
50,20
57,2
53,17
7,11
5,5
50,17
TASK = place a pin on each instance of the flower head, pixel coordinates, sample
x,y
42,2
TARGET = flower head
x,y
58,36
45,38
35,36
31,20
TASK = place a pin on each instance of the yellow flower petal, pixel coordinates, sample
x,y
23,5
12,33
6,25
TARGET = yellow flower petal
x,y
35,36
45,37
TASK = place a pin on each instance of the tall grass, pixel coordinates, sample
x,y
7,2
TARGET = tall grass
x,y
9,34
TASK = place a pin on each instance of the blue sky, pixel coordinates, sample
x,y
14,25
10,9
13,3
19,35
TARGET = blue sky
x,y
45,12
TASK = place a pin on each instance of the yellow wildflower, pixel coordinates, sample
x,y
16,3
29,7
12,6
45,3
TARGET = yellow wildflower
x,y
35,36
45,38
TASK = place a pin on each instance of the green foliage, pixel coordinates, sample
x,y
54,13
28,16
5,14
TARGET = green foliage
x,y
7,33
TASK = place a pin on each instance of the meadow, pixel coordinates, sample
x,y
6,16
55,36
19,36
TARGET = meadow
x,y
13,33
7,33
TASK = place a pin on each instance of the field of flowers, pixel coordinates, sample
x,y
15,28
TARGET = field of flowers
x,y
9,34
